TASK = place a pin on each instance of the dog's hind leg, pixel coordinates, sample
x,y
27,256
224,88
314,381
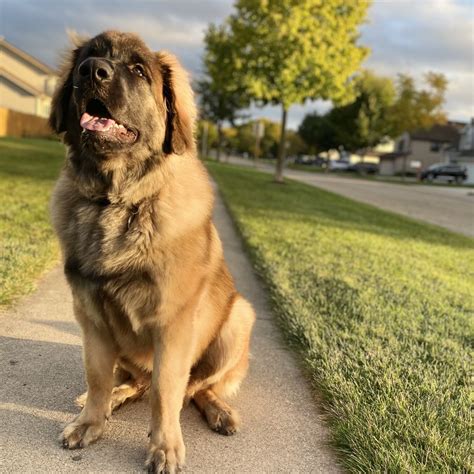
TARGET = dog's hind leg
x,y
128,392
222,368
219,415
128,387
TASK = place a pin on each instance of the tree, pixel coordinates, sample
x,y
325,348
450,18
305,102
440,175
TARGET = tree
x,y
295,144
297,50
318,132
360,124
221,97
380,109
206,135
415,109
245,139
270,139
371,109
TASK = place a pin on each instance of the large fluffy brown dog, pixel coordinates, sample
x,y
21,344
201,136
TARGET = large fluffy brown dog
x,y
132,209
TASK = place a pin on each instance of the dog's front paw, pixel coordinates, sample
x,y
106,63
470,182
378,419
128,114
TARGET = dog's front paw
x,y
165,459
79,434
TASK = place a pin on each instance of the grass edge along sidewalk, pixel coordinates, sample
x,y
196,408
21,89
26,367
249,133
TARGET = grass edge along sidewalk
x,y
28,170
379,307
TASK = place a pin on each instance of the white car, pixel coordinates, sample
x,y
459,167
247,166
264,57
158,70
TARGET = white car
x,y
338,165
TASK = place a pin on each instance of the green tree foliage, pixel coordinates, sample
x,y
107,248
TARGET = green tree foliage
x,y
375,96
360,124
245,139
270,139
295,144
207,130
242,139
318,132
380,109
294,50
418,108
221,96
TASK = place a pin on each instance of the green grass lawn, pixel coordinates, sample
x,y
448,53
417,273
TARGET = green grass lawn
x,y
379,306
28,169
309,168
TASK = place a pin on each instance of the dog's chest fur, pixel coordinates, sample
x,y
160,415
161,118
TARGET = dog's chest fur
x,y
110,250
136,265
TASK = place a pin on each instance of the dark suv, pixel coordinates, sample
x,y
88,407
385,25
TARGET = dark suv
x,y
449,172
364,168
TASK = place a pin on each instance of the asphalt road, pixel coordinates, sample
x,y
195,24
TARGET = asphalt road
x,y
449,207
41,373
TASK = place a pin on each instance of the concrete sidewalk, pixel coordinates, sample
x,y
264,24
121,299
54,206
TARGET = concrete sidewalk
x,y
41,373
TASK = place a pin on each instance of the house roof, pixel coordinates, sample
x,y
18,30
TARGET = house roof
x,y
26,57
448,133
20,83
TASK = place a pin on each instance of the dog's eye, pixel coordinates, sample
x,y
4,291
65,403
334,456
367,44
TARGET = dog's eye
x,y
139,70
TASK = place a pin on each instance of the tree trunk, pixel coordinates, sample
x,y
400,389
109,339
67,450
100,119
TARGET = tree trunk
x,y
257,143
281,148
219,141
205,131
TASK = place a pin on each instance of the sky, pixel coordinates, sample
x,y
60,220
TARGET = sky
x,y
404,36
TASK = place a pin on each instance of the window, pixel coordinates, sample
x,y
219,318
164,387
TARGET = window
x,y
435,147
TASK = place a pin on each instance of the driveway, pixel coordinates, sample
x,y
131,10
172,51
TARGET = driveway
x,y
449,207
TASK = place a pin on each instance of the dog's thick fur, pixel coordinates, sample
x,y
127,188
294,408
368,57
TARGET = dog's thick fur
x,y
151,290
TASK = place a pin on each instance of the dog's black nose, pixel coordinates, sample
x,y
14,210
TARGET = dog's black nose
x,y
97,69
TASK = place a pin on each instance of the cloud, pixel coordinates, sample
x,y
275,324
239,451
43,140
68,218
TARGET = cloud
x,y
427,35
404,36
418,35
40,26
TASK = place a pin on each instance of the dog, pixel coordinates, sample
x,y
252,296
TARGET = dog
x,y
132,208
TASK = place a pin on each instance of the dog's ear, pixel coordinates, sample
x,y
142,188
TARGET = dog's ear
x,y
62,94
180,105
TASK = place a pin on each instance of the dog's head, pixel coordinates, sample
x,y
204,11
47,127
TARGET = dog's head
x,y
115,95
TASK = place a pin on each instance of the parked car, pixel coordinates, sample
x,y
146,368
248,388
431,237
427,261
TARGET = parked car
x,y
304,160
446,172
338,165
320,161
311,161
364,168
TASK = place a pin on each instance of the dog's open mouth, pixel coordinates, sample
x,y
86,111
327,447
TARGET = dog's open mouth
x,y
97,119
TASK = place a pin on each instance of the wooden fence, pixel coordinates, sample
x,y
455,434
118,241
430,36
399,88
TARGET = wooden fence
x,y
18,124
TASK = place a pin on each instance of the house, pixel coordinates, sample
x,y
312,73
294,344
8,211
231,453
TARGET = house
x,y
415,151
26,84
372,155
464,155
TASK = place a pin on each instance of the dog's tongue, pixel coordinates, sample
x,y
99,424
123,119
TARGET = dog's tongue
x,y
98,124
